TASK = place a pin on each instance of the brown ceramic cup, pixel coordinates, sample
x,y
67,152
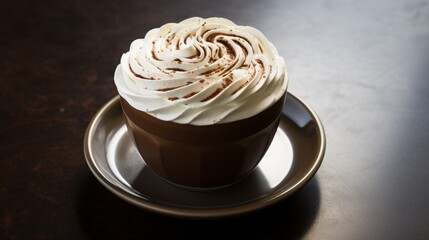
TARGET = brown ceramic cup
x,y
202,157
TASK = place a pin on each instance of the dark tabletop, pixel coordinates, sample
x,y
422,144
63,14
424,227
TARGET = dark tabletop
x,y
362,65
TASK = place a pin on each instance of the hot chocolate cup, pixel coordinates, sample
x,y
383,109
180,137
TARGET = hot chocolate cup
x,y
202,157
202,100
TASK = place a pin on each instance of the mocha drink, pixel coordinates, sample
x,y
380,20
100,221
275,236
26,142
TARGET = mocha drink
x,y
202,99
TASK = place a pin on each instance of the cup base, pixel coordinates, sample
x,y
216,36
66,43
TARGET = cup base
x,y
204,189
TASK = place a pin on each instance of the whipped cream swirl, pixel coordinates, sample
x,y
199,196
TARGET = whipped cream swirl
x,y
201,72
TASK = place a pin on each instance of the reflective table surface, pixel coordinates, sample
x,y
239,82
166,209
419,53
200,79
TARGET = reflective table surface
x,y
362,66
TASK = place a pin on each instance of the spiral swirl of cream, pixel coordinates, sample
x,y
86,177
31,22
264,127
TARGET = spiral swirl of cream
x,y
201,72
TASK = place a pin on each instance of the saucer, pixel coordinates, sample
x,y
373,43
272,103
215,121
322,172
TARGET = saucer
x,y
292,159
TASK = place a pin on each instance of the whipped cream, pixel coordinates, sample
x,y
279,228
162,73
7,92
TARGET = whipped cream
x,y
201,72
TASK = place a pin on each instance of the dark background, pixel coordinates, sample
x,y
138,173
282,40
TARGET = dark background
x,y
362,65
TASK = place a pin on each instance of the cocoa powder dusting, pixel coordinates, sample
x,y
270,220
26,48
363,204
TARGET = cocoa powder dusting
x,y
190,95
205,52
153,55
138,75
239,88
214,94
260,48
172,88
227,81
229,49
166,89
242,47
138,62
175,69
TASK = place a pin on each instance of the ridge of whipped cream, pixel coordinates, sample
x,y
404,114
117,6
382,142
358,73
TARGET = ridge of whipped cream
x,y
201,72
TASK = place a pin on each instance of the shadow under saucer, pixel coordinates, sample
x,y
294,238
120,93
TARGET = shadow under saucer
x,y
103,215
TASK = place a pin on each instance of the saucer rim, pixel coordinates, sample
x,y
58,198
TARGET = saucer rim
x,y
275,196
